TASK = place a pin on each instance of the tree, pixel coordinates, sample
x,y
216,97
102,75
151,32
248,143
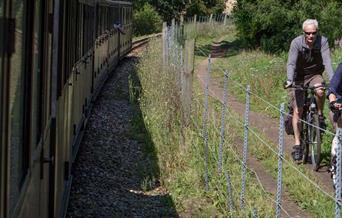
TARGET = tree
x,y
168,9
146,21
272,24
196,7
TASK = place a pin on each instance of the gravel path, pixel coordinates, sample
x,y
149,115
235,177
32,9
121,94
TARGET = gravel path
x,y
112,175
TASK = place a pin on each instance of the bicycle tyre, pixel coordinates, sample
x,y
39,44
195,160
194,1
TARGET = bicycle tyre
x,y
304,142
314,136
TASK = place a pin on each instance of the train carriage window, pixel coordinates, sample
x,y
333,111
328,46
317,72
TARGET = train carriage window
x,y
37,72
88,28
98,21
19,148
1,11
79,41
116,13
70,35
110,16
124,15
103,19
1,108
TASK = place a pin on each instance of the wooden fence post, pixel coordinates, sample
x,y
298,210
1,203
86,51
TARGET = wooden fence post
x,y
211,19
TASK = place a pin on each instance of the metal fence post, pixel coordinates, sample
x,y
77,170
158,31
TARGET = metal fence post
x,y
186,81
223,114
225,19
245,149
280,159
165,44
229,193
254,213
205,130
338,174
169,45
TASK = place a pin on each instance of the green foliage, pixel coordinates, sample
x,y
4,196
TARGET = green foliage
x,y
215,6
173,9
146,21
272,24
196,7
168,9
204,7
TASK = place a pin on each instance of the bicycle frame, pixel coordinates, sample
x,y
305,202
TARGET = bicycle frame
x,y
310,134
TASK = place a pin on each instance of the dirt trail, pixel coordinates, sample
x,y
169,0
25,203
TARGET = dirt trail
x,y
268,127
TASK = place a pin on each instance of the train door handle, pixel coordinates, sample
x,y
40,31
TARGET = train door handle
x,y
43,160
49,160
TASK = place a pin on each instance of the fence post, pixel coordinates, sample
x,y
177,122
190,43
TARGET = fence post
x,y
165,44
211,19
254,213
223,114
245,148
338,174
229,193
186,81
205,130
225,19
280,159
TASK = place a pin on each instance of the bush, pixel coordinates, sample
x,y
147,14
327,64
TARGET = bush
x,y
272,24
146,21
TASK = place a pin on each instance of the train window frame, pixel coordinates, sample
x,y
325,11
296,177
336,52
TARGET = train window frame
x,y
38,72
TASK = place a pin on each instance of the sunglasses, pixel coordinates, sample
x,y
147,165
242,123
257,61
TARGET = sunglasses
x,y
310,33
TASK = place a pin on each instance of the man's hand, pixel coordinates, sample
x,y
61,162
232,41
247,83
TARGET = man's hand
x,y
335,106
288,84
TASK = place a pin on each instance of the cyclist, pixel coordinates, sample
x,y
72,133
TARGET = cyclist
x,y
334,95
309,56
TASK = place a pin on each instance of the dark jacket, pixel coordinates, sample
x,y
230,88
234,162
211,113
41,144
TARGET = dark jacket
x,y
335,85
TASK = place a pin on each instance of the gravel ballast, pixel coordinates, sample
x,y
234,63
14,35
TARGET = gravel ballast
x,y
111,171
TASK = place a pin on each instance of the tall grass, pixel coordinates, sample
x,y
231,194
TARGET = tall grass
x,y
180,150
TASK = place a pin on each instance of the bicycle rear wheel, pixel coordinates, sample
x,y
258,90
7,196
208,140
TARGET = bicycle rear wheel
x,y
314,137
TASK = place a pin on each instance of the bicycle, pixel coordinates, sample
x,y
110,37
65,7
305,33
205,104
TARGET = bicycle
x,y
310,129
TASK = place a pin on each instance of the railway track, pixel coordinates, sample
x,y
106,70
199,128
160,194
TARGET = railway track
x,y
143,41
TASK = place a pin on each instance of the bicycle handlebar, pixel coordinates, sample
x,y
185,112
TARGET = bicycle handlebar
x,y
304,88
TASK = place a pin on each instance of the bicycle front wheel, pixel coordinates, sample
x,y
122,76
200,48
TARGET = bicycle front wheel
x,y
314,136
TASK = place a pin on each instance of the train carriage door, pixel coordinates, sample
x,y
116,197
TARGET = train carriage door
x,y
25,110
2,114
18,146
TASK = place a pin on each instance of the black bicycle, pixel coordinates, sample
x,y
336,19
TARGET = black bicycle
x,y
310,126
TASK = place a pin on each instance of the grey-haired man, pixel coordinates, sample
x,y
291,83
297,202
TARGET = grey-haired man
x,y
309,56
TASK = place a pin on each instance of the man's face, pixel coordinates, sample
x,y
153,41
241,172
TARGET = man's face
x,y
310,33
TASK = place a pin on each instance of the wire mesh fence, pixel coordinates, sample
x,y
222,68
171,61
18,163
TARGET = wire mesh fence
x,y
178,57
